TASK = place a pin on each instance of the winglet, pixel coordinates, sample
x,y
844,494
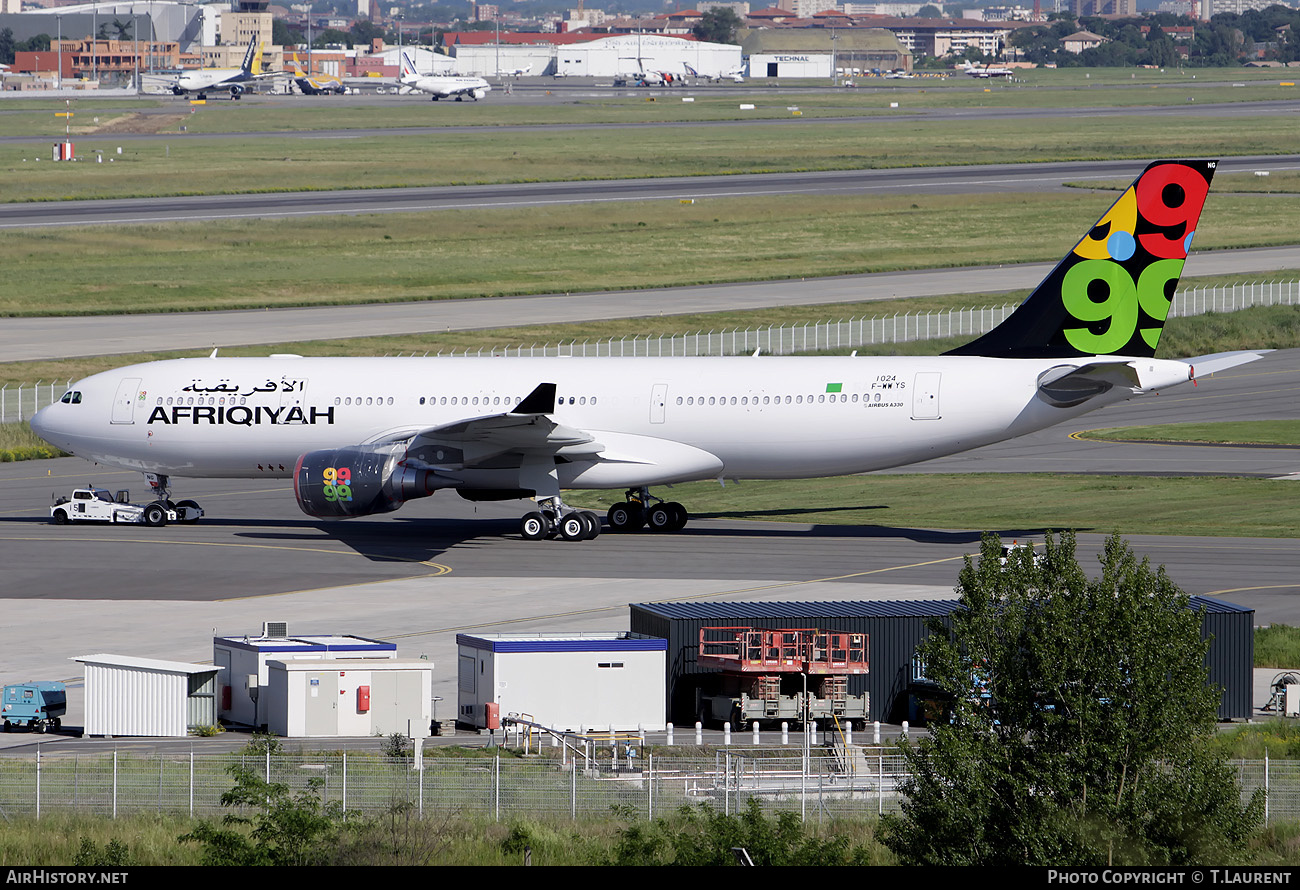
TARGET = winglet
x,y
539,401
1111,294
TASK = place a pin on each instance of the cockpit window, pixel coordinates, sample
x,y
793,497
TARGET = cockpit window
x,y
71,398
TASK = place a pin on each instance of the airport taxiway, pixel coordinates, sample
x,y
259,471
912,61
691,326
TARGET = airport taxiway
x,y
953,180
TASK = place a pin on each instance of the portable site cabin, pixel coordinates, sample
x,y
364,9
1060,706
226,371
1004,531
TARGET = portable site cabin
x,y
242,662
315,699
563,681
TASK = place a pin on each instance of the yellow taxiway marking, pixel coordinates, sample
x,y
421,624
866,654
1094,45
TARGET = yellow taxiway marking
x,y
550,616
293,549
1245,589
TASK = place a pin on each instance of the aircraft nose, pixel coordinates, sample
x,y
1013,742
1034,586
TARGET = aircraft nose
x,y
40,422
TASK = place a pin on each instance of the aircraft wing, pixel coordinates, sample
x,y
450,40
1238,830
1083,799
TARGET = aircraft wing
x,y
527,429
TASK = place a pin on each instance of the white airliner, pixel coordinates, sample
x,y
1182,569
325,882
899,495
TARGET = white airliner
x,y
443,86
985,70
364,435
735,75
233,80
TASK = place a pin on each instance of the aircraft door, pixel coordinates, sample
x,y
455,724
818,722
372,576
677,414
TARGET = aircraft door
x,y
124,401
658,402
925,396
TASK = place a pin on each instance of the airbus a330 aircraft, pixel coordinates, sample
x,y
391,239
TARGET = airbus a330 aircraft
x,y
443,86
360,436
234,80
316,84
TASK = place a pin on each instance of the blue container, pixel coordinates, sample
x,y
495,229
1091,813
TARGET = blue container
x,y
37,706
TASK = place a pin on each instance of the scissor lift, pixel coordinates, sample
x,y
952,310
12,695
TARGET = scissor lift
x,y
764,670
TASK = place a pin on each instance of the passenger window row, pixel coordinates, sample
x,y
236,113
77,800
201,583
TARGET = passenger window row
x,y
819,399
499,401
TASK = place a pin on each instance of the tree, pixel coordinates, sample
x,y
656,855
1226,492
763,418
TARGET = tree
x,y
286,829
719,25
1161,48
284,34
1080,722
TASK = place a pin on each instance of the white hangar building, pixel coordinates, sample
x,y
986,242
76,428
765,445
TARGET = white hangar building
x,y
603,57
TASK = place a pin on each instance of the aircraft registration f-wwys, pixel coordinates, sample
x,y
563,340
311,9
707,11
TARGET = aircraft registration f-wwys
x,y
362,436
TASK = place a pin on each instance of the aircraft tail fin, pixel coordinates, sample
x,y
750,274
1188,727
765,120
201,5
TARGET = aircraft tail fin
x,y
257,60
408,68
1111,294
249,55
297,66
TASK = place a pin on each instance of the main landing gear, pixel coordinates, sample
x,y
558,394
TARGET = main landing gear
x,y
642,509
555,519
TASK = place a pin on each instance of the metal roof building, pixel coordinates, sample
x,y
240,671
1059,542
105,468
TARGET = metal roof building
x,y
128,696
895,628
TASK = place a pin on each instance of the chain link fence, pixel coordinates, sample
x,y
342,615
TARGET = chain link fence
x,y
20,402
852,333
501,788
820,786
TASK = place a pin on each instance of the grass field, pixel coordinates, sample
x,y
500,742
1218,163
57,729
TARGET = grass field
x,y
1012,504
1247,432
474,253
1032,89
175,166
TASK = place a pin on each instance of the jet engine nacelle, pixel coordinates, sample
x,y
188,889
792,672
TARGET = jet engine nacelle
x,y
236,90
357,481
480,93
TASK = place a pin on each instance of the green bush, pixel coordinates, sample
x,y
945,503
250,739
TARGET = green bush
x,y
1277,646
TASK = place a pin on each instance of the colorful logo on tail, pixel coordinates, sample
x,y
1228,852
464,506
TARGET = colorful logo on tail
x,y
1128,265
1111,294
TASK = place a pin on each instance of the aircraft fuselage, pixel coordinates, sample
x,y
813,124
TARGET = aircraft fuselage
x,y
660,420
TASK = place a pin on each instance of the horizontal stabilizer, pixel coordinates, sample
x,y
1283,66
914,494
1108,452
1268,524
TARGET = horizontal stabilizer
x,y
1205,365
1067,385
